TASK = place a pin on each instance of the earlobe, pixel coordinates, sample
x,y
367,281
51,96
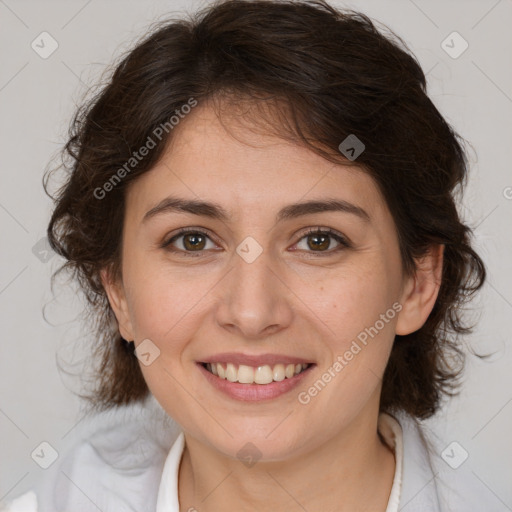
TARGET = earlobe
x,y
117,299
420,291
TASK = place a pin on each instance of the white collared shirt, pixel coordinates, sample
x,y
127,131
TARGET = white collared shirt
x,y
168,491
127,459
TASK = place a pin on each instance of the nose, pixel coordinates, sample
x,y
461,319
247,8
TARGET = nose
x,y
255,301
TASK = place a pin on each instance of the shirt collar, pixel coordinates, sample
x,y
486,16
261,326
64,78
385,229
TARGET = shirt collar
x,y
391,430
168,491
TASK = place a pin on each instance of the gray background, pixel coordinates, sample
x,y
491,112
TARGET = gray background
x,y
37,99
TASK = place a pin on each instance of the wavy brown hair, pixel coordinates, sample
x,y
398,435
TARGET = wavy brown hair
x,y
316,75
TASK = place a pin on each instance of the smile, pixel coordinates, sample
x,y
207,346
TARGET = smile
x,y
247,389
264,374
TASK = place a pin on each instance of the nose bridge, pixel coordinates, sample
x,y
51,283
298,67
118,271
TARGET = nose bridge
x,y
254,300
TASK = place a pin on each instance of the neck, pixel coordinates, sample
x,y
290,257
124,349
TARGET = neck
x,y
352,471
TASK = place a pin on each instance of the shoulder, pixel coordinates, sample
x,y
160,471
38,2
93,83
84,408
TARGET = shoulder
x,y
437,475
25,503
114,458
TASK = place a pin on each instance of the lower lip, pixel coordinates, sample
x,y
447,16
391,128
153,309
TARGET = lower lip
x,y
253,392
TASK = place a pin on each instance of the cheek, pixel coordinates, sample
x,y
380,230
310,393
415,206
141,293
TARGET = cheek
x,y
160,296
349,300
357,312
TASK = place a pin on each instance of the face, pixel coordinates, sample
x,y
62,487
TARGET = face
x,y
271,292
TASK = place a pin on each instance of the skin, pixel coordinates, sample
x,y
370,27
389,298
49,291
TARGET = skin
x,y
322,456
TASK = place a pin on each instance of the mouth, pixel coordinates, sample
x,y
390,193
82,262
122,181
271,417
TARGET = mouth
x,y
261,375
254,381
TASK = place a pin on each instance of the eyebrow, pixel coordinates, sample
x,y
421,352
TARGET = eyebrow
x,y
216,211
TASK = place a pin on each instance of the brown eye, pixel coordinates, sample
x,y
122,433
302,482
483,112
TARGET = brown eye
x,y
189,241
194,241
318,241
321,241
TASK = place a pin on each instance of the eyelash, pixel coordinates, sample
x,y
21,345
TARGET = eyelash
x,y
344,243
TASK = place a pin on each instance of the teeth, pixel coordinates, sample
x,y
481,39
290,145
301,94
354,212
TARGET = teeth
x,y
278,372
231,373
261,375
245,374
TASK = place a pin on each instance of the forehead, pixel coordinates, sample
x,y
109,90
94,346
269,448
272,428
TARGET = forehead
x,y
245,168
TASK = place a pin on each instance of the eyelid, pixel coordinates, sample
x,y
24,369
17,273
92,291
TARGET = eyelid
x,y
339,237
329,231
186,231
343,241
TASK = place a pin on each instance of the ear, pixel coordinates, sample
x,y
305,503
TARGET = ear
x,y
420,291
117,299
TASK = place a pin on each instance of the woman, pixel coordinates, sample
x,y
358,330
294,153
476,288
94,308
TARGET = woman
x,y
261,213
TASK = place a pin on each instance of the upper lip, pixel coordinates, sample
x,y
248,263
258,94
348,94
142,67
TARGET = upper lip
x,y
254,360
